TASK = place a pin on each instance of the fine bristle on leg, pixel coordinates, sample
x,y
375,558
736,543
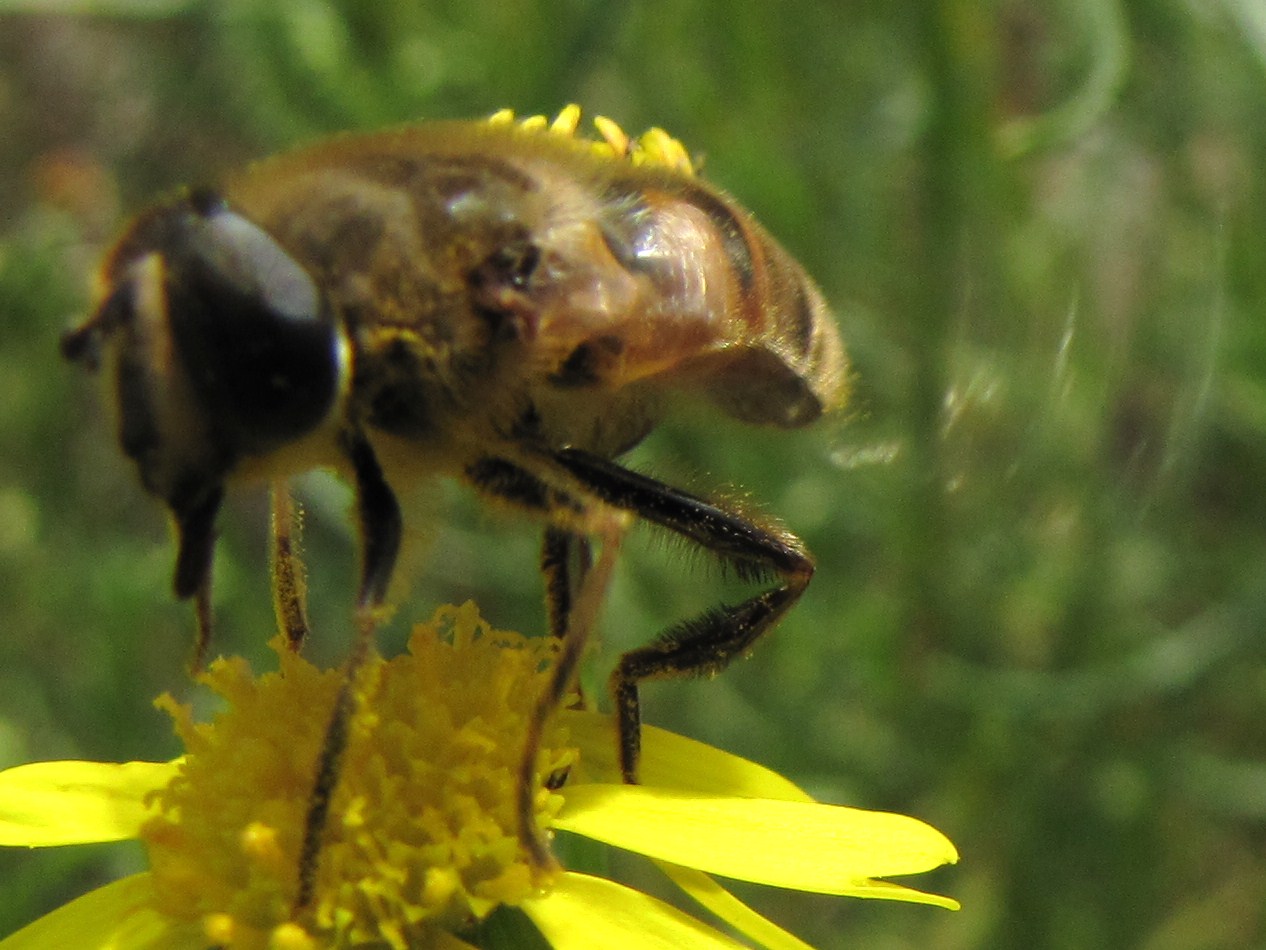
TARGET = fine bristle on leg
x,y
289,583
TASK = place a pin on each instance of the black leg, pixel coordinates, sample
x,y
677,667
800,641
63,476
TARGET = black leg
x,y
565,560
381,527
195,532
204,623
706,644
701,646
586,495
556,568
381,524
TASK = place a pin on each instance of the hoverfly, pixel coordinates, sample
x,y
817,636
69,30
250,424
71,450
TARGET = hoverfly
x,y
508,304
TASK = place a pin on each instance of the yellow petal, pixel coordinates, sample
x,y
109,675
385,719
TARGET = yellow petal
x,y
55,803
729,908
583,912
884,890
115,917
673,761
803,845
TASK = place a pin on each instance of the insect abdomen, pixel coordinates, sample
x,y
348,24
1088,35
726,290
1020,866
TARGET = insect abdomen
x,y
743,318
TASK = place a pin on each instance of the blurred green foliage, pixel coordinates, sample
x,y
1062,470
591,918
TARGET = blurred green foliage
x,y
1038,619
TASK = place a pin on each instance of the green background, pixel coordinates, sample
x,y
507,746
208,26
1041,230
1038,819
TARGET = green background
x,y
1038,617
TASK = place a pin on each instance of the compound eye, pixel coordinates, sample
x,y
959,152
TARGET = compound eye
x,y
251,328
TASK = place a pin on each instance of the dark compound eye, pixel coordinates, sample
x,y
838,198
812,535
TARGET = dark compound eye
x,y
252,331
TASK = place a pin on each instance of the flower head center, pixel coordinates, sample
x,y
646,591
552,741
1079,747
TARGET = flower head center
x,y
422,833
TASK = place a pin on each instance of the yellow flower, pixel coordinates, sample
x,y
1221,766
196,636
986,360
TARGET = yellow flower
x,y
421,844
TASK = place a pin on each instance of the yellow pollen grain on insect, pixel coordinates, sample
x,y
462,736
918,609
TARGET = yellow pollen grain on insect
x,y
567,120
612,134
534,123
658,147
653,147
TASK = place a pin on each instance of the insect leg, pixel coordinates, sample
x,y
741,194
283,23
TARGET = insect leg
x,y
204,623
566,559
556,569
706,644
573,609
195,533
289,587
381,527
580,624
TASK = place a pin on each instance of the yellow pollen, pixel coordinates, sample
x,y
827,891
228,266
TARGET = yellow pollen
x,y
652,147
260,845
219,929
422,835
291,937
